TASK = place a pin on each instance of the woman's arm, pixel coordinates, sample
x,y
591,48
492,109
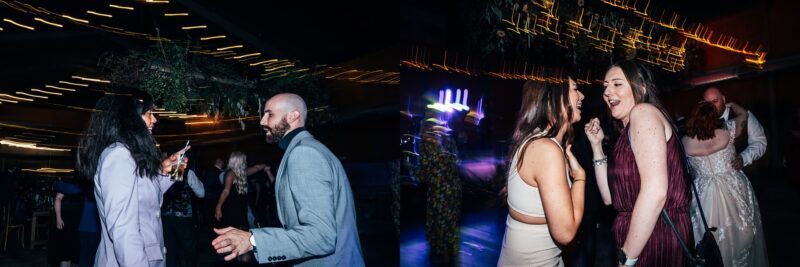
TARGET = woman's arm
x,y
563,207
740,119
648,137
595,134
255,168
229,177
57,207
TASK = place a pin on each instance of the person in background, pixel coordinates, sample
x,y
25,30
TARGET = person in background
x,y
89,228
756,139
725,193
179,226
63,248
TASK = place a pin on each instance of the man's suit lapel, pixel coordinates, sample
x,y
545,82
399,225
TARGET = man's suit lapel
x,y
281,180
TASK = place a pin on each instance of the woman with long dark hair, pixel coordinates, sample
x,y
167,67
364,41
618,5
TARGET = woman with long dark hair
x,y
726,196
119,154
646,173
545,205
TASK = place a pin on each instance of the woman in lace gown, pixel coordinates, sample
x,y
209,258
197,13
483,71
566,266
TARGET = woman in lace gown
x,y
725,194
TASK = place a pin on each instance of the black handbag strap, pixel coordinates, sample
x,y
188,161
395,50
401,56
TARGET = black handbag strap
x,y
700,206
665,217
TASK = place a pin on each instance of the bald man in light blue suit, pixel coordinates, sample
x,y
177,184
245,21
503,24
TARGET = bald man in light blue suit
x,y
315,203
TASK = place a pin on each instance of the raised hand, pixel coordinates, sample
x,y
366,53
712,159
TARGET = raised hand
x,y
575,169
168,163
594,132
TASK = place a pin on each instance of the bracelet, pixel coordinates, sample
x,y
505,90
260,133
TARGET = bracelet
x,y
579,180
598,162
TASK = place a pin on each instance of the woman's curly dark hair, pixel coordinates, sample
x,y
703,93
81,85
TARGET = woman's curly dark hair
x,y
703,122
118,119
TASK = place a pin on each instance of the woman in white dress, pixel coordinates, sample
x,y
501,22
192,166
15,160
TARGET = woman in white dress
x,y
545,206
725,194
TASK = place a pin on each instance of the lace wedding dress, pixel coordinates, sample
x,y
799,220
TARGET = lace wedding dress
x,y
730,205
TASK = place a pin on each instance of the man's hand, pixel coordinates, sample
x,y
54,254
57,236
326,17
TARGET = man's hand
x,y
232,240
737,163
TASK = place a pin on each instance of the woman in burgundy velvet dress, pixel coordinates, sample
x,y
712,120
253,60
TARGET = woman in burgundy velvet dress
x,y
646,172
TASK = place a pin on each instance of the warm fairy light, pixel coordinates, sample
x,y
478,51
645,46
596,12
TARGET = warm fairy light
x,y
176,14
163,112
121,7
75,84
91,79
157,1
6,100
45,92
262,62
49,170
99,14
29,145
31,95
193,27
75,19
200,122
60,88
48,23
19,24
212,37
229,47
247,55
16,98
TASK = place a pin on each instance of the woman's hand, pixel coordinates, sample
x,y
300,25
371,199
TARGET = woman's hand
x,y
575,169
168,163
59,223
218,213
594,132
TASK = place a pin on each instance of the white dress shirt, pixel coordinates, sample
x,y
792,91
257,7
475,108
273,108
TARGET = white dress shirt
x,y
756,139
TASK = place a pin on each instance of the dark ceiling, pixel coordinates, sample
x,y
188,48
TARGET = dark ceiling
x,y
335,33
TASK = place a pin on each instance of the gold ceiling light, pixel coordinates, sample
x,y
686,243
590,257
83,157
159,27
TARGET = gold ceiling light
x,y
15,98
75,84
19,24
229,47
193,27
121,7
30,145
212,37
31,95
45,92
60,88
75,19
91,79
99,14
48,22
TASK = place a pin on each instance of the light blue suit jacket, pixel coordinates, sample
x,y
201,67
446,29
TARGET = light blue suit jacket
x,y
129,207
315,206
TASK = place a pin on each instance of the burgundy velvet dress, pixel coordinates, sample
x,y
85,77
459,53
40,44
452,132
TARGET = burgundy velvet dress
x,y
663,248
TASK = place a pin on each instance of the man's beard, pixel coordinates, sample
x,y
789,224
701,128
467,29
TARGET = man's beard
x,y
276,134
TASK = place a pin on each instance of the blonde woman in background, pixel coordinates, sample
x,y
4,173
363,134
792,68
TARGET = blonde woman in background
x,y
231,207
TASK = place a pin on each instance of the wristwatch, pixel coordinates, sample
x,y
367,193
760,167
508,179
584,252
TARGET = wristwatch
x,y
253,241
623,259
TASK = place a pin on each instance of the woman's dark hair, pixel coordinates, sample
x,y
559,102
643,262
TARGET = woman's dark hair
x,y
543,104
703,122
118,118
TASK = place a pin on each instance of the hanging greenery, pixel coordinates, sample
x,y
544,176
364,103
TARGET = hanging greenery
x,y
194,83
